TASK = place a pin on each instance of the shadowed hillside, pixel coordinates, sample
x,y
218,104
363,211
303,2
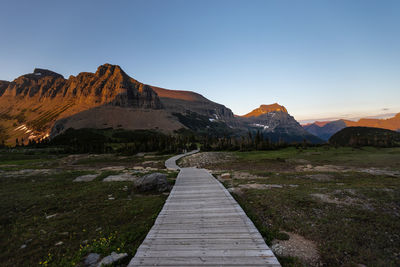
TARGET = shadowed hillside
x,y
365,136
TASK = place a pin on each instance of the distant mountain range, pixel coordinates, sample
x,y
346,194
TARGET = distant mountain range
x,y
325,129
44,104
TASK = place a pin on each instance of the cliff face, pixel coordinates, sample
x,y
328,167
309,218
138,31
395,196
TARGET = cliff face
x,y
109,85
30,105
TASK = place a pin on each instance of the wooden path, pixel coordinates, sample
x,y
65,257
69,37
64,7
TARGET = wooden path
x,y
202,225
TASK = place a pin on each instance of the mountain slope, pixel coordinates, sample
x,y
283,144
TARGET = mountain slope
x,y
185,102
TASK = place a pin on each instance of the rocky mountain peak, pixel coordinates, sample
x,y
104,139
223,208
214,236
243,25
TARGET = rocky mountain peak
x,y
109,69
39,73
264,109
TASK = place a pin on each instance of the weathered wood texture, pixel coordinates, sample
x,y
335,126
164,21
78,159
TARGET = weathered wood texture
x,y
202,225
170,163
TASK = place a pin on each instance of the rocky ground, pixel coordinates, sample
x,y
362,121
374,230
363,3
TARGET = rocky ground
x,y
205,159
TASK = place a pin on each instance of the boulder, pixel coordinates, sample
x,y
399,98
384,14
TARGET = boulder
x,y
92,259
152,182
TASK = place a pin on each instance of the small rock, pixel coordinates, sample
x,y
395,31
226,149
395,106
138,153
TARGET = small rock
x,y
85,178
226,176
59,243
51,216
92,259
111,198
274,185
23,246
112,258
120,178
138,168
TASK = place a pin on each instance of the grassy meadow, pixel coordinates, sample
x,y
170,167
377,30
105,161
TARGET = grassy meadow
x,y
48,220
345,201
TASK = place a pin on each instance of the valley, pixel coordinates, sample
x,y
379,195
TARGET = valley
x,y
313,205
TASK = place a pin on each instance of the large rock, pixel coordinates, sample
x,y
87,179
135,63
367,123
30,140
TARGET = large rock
x,y
114,257
153,182
92,259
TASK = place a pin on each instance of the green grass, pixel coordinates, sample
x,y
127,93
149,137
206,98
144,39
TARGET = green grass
x,y
287,159
27,159
360,157
86,221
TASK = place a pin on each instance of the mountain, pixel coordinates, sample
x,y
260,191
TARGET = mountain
x,y
177,101
31,104
275,122
44,104
325,130
264,109
390,123
365,136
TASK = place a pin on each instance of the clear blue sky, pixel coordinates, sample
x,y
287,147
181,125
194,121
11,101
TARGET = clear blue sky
x,y
318,58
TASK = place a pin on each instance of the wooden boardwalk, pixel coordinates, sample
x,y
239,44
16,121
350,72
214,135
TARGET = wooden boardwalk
x,y
202,225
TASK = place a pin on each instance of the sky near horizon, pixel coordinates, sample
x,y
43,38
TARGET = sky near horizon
x,y
320,59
